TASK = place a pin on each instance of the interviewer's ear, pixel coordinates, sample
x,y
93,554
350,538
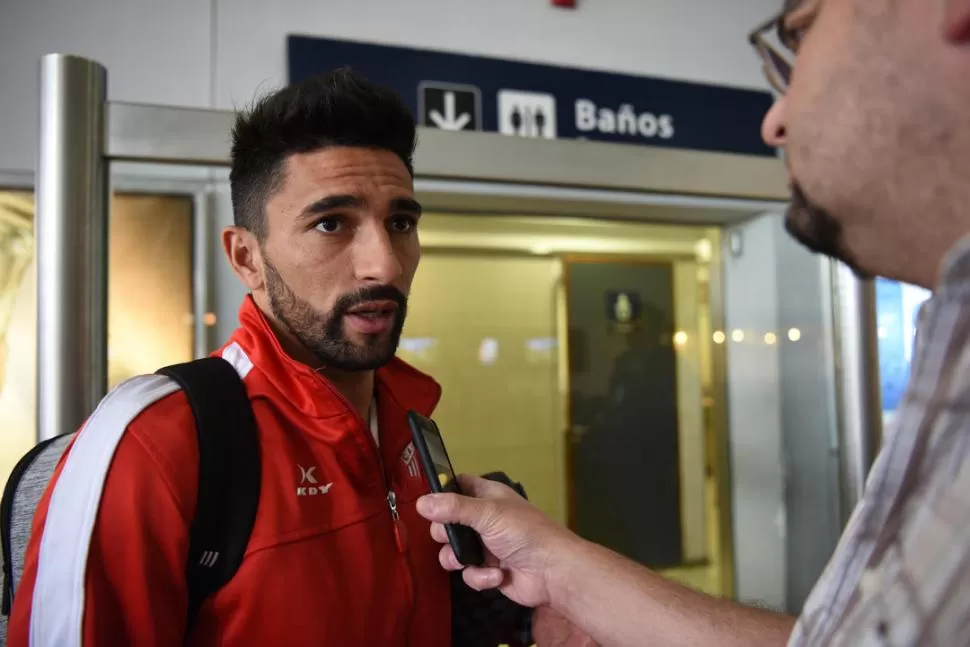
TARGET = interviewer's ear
x,y
957,27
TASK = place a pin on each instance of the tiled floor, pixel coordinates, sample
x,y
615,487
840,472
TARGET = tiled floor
x,y
705,577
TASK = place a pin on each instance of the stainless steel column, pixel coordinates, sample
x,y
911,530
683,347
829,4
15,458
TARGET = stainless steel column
x,y
202,242
72,244
858,388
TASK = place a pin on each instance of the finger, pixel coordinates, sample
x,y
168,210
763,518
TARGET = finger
x,y
481,579
438,533
447,559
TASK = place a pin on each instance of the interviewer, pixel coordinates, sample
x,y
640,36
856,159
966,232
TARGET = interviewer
x,y
873,118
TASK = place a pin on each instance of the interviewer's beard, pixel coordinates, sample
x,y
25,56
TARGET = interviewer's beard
x,y
817,230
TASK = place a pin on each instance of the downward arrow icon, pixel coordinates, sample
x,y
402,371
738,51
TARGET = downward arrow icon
x,y
450,121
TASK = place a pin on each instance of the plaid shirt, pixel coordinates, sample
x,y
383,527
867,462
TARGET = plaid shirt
x,y
901,573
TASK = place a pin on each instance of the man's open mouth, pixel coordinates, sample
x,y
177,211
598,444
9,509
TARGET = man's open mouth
x,y
374,309
372,317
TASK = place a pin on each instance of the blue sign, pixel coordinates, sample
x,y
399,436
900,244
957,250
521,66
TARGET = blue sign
x,y
460,92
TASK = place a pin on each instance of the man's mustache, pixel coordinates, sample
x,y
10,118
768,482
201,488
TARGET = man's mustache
x,y
373,293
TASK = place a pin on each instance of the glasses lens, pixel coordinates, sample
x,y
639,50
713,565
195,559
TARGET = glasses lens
x,y
777,57
781,66
776,67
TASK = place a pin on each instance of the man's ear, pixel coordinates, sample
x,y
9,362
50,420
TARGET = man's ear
x,y
957,27
245,256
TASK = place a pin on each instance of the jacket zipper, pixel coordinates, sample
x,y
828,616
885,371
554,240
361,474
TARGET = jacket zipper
x,y
400,531
398,527
401,538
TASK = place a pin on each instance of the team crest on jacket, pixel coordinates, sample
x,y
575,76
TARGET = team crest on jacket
x,y
410,459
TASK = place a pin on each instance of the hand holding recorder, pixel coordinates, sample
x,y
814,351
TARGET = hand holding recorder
x,y
522,542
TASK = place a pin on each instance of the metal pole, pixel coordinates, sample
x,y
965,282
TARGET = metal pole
x,y
202,241
71,244
859,396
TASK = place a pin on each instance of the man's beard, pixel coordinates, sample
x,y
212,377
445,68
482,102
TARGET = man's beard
x,y
816,229
322,333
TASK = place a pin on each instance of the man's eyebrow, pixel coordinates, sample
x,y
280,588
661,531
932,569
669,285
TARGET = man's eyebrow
x,y
331,202
406,204
348,201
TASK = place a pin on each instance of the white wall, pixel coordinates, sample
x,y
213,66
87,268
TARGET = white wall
x,y
155,52
221,52
781,399
808,416
698,40
755,413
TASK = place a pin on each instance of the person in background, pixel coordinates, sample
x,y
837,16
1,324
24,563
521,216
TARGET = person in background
x,y
874,115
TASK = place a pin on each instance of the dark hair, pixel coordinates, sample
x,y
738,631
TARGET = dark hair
x,y
339,108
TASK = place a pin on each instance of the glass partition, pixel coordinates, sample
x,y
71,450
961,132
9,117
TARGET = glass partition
x,y
149,300
897,309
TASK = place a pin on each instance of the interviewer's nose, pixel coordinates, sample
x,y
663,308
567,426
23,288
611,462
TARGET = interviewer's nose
x,y
773,129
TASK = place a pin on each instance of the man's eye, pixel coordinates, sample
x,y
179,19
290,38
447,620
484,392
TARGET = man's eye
x,y
403,224
328,225
792,31
794,37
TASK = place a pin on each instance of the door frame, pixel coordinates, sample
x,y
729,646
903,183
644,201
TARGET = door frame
x,y
718,418
193,188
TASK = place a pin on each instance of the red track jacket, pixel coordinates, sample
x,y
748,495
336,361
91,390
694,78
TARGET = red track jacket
x,y
106,560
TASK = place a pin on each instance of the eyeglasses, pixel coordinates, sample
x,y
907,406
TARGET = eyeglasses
x,y
777,56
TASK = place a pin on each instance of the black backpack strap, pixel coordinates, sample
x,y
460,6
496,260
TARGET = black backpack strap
x,y
229,475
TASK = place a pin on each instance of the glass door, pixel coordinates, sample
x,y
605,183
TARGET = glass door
x,y
149,300
576,356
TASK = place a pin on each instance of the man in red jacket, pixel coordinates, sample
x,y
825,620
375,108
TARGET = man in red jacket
x,y
325,239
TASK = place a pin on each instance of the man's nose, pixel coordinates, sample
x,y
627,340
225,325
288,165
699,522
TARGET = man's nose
x,y
773,126
375,259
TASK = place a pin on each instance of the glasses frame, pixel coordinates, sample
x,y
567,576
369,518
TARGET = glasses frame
x,y
777,58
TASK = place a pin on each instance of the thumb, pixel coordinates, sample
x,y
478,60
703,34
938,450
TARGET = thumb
x,y
452,508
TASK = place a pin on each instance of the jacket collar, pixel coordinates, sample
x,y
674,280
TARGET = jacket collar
x,y
398,385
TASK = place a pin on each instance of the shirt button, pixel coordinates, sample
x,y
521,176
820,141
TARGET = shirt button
x,y
870,583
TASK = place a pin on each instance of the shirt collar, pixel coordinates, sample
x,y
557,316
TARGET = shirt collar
x,y
954,274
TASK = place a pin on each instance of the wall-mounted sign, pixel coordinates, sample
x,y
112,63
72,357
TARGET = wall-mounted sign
x,y
449,107
460,92
623,307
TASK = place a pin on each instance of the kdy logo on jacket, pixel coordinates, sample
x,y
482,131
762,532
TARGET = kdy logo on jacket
x,y
309,486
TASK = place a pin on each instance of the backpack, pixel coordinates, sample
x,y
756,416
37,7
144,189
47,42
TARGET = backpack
x,y
228,444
